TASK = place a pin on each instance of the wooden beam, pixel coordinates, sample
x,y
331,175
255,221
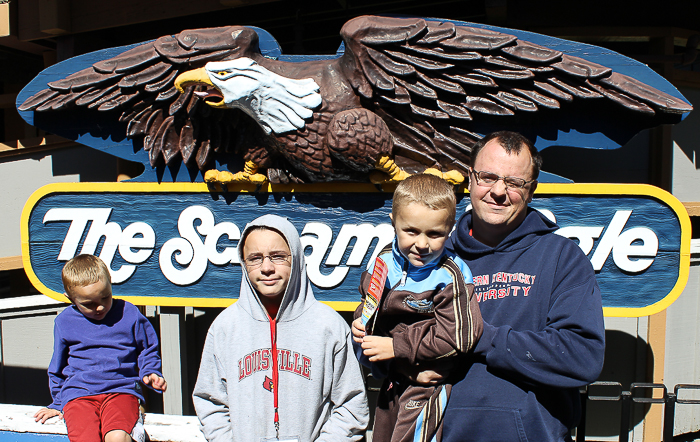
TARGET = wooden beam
x,y
25,46
656,359
91,15
7,101
693,208
54,16
5,27
11,263
38,144
615,33
686,78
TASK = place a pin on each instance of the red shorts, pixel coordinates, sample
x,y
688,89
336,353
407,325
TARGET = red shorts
x,y
89,418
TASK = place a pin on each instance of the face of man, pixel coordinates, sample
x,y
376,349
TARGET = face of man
x,y
496,209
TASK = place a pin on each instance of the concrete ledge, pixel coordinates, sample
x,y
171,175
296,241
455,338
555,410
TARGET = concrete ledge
x,y
18,420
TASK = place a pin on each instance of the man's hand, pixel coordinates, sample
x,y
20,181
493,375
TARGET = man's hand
x,y
46,413
358,330
378,348
156,382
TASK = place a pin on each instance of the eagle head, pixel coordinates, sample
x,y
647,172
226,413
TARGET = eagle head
x,y
279,104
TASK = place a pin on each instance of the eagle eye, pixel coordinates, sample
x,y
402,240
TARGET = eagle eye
x,y
222,73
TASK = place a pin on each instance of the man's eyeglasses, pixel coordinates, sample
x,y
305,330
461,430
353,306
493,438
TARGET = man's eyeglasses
x,y
255,261
488,179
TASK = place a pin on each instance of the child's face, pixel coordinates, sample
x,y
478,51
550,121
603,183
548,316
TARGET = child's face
x,y
93,301
421,232
268,279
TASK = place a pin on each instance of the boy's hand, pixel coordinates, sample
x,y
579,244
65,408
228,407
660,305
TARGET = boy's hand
x,y
156,382
430,373
46,413
358,330
378,348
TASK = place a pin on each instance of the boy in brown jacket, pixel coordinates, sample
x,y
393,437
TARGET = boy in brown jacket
x,y
426,310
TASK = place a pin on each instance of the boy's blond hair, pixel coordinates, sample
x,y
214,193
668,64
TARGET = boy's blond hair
x,y
429,190
84,270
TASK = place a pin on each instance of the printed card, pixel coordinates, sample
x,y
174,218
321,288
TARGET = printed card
x,y
376,288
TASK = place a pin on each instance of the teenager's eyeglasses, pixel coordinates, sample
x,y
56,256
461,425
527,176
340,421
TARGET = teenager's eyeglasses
x,y
488,179
256,261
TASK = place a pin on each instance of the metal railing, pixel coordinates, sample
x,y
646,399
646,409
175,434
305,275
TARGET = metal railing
x,y
640,393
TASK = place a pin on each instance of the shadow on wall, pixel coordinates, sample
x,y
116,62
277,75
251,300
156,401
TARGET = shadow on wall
x,y
686,132
90,164
24,386
625,362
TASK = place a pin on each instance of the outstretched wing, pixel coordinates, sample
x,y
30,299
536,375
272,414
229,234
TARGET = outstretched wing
x,y
140,84
439,84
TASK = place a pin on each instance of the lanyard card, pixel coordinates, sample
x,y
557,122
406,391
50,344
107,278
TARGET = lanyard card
x,y
376,288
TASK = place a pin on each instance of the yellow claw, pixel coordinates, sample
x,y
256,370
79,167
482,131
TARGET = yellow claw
x,y
433,171
218,176
224,177
392,172
453,177
211,176
245,177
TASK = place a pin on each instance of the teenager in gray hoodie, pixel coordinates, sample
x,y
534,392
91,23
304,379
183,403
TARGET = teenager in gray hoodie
x,y
316,391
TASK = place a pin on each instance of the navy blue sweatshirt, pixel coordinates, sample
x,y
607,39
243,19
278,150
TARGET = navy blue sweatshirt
x,y
543,336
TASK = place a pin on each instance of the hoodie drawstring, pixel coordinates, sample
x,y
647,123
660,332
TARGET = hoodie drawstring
x,y
275,374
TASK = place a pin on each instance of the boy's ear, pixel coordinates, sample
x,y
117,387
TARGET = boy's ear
x,y
391,217
66,295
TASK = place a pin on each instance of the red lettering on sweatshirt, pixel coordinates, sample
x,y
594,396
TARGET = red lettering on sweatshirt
x,y
306,370
261,360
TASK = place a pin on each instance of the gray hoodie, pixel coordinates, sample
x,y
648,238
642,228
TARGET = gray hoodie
x,y
321,391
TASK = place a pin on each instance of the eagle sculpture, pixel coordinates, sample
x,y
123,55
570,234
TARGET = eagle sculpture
x,y
406,95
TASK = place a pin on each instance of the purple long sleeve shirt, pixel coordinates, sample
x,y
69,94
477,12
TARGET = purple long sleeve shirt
x,y
107,356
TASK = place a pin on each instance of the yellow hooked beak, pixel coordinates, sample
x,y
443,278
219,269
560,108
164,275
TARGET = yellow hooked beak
x,y
212,96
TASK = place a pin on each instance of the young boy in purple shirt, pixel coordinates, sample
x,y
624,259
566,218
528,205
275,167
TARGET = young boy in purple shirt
x,y
103,348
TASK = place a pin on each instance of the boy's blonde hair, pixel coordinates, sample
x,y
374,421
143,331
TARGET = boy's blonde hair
x,y
84,270
429,190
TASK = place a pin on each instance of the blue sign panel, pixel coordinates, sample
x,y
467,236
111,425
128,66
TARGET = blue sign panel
x,y
175,244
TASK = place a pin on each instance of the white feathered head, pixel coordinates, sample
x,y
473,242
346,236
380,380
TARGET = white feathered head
x,y
277,103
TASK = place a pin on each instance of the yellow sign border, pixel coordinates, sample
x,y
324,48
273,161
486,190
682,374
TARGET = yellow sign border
x,y
542,189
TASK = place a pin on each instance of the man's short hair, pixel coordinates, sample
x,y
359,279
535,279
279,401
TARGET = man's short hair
x,y
84,270
512,142
429,190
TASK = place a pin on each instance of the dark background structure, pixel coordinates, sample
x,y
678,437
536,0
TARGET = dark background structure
x,y
35,34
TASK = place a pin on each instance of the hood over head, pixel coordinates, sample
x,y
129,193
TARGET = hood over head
x,y
298,296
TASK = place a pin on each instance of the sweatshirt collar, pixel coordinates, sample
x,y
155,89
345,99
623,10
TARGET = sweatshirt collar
x,y
533,226
406,266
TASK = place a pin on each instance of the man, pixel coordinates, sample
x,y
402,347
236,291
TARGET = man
x,y
543,321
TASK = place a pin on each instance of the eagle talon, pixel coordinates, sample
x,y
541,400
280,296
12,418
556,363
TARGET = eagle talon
x,y
453,177
387,172
225,177
254,178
